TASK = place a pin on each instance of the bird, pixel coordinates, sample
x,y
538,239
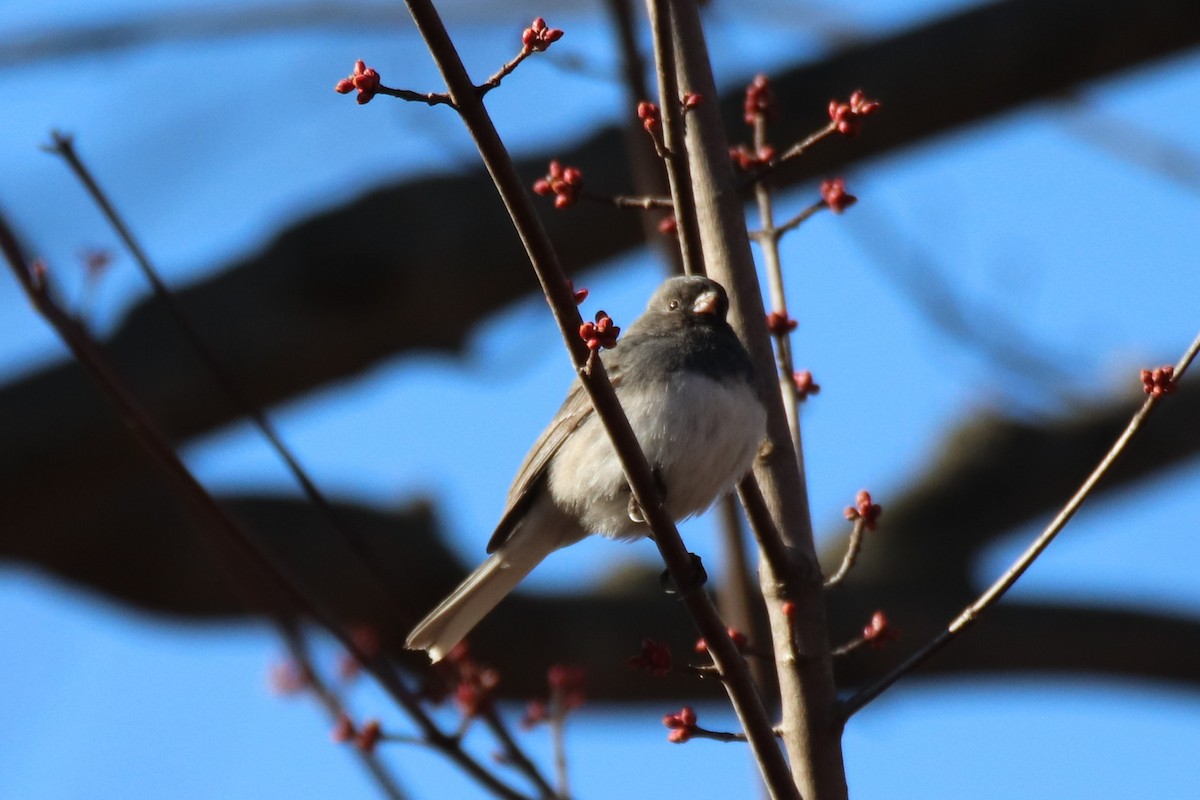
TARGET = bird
x,y
693,399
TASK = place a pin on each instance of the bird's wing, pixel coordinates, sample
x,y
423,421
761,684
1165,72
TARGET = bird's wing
x,y
530,477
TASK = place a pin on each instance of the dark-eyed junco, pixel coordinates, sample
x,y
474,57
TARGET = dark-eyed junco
x,y
689,390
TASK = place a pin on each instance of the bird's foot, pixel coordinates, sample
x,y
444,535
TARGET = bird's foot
x,y
635,511
695,580
636,514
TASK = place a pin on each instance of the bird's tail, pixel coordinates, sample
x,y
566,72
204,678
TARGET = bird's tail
x,y
453,619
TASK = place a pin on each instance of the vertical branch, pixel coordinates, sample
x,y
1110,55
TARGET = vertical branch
x,y
739,599
558,735
676,159
811,727
768,239
649,179
729,661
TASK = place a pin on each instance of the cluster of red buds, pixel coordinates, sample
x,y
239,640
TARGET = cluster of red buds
x,y
739,641
539,36
655,658
38,272
878,632
565,183
567,685
601,333
475,686
366,642
691,100
96,261
760,100
747,159
834,193
668,226
566,694
780,324
848,117
536,712
805,385
864,509
364,79
364,738
682,725
650,116
286,678
1159,381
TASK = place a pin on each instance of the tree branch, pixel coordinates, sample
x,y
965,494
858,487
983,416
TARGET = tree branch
x,y
994,592
735,673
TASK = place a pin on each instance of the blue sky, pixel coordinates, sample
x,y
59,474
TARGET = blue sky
x,y
1086,255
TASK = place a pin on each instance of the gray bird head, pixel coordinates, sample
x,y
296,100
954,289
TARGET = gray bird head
x,y
687,300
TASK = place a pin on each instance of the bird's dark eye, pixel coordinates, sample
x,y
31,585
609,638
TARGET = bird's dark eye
x,y
673,305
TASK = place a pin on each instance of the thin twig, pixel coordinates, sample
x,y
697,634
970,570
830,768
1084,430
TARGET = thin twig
x,y
994,592
779,567
739,600
428,98
849,647
769,241
558,737
513,752
675,159
680,564
64,147
852,549
717,736
647,171
720,736
628,201
795,151
801,147
801,218
770,543
876,632
297,646
503,72
226,533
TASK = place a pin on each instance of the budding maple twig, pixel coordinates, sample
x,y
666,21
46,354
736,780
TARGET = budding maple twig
x,y
1002,584
853,546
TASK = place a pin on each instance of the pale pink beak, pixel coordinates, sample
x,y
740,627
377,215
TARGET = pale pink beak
x,y
706,303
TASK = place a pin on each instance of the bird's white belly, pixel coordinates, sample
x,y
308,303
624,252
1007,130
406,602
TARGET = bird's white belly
x,y
699,435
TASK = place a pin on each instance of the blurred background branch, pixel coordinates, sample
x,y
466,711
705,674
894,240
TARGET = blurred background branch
x,y
337,292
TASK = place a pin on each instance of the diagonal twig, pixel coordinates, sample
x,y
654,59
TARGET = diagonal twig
x,y
297,646
226,534
1002,584
853,546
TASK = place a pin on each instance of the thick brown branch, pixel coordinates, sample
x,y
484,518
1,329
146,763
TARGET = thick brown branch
x,y
736,676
